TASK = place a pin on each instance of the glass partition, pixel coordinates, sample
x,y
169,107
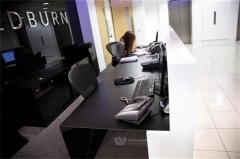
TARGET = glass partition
x,y
39,26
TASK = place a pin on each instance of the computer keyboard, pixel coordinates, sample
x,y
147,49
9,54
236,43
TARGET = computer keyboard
x,y
144,88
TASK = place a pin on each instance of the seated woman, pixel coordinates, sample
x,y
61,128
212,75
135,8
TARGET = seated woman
x,y
125,45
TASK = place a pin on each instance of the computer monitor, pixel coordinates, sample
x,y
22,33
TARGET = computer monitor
x,y
156,37
8,56
163,73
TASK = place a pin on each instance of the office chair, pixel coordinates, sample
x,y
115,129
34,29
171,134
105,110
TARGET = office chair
x,y
112,49
83,79
18,51
40,60
27,64
74,53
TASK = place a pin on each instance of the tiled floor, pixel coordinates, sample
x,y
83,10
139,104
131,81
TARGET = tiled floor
x,y
217,128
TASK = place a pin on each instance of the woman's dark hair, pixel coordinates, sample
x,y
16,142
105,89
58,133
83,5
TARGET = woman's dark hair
x,y
128,39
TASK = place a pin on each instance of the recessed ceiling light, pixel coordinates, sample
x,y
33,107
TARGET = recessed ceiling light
x,y
45,3
44,8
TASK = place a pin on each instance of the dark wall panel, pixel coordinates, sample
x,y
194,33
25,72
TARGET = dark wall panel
x,y
179,19
74,21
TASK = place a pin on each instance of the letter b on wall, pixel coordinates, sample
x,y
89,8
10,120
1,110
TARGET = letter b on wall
x,y
31,19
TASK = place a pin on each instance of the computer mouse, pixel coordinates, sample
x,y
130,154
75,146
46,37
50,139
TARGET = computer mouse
x,y
127,78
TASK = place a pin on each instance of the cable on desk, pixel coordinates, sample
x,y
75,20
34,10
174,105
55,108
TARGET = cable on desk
x,y
156,113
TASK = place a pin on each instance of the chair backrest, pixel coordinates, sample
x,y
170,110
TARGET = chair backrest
x,y
83,79
112,48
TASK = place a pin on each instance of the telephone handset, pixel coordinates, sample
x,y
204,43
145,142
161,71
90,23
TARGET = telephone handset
x,y
136,110
154,47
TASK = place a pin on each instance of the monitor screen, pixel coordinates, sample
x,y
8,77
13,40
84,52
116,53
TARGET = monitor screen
x,y
156,37
8,56
163,77
160,66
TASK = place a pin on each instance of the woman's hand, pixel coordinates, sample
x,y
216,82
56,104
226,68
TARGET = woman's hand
x,y
134,49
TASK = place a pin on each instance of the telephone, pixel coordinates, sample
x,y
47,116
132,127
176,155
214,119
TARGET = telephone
x,y
136,110
154,47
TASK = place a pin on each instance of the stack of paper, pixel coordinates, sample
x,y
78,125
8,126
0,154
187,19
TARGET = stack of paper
x,y
128,59
140,52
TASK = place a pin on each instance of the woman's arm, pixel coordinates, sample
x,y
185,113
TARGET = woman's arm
x,y
134,49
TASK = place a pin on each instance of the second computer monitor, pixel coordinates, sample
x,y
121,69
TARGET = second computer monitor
x,y
156,37
163,73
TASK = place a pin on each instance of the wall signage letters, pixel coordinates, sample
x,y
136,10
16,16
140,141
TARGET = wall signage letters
x,y
32,19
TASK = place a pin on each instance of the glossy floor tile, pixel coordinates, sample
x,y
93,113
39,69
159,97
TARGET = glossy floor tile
x,y
229,85
232,94
225,77
201,106
218,107
210,155
213,94
226,119
236,104
208,85
204,120
206,78
234,155
230,138
208,139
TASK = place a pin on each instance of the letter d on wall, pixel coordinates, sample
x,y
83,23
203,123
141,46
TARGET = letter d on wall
x,y
11,22
31,19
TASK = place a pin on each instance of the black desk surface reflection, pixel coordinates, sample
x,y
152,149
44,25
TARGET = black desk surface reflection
x,y
87,126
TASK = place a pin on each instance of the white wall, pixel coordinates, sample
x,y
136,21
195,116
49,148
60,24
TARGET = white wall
x,y
90,28
203,29
150,17
139,22
163,20
233,12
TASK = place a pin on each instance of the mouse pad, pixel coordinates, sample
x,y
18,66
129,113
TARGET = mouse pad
x,y
121,81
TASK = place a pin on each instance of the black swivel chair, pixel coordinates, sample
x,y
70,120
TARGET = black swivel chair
x,y
18,51
83,79
74,53
27,64
40,60
112,49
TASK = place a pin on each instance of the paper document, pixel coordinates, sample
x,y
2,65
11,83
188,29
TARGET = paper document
x,y
128,59
140,52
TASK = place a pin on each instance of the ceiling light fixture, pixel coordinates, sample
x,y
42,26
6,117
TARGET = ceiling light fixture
x,y
44,8
45,3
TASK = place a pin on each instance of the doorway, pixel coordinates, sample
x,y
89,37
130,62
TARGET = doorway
x,y
179,19
122,16
102,21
